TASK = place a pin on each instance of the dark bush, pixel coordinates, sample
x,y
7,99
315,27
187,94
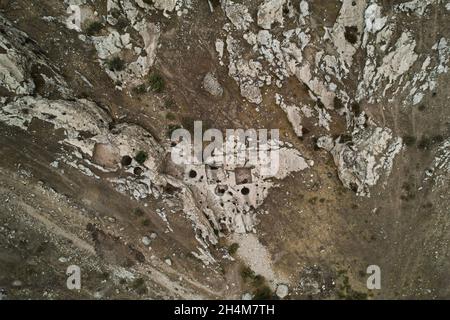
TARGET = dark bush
x,y
139,286
233,248
351,34
424,143
116,64
141,157
93,28
156,82
409,140
247,273
437,138
263,293
140,89
170,116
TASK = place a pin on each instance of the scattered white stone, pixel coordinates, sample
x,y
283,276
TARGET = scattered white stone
x,y
282,291
17,283
146,240
247,296
212,85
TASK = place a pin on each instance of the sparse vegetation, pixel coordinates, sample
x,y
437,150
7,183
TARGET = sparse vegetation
x,y
427,142
156,82
260,289
141,157
345,290
93,28
424,143
140,89
233,248
409,140
351,34
437,138
215,3
262,293
138,212
121,24
169,103
247,273
116,64
139,286
313,200
343,138
356,108
170,116
114,12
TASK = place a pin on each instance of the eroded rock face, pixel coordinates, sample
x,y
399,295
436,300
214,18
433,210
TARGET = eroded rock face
x,y
391,64
22,63
350,78
228,196
363,159
118,45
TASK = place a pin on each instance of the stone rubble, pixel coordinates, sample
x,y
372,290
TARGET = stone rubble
x,y
212,85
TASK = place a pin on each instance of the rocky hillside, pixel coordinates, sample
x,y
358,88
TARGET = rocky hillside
x,y
92,91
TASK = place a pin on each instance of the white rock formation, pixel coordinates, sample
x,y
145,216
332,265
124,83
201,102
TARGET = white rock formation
x,y
363,160
18,56
270,12
238,14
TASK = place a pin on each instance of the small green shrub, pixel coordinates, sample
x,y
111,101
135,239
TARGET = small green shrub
x,y
247,273
409,140
438,138
94,28
139,286
156,82
259,280
141,157
140,89
262,293
233,248
170,116
116,64
169,103
122,23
